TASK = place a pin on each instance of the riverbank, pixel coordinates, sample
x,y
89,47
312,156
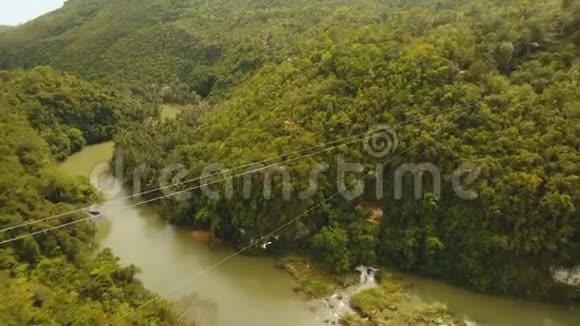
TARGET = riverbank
x,y
251,290
384,301
392,304
241,291
314,282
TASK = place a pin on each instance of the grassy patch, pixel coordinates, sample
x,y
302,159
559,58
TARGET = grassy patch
x,y
373,301
369,301
390,304
316,287
314,280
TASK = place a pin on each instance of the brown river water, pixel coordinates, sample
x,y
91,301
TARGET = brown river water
x,y
250,290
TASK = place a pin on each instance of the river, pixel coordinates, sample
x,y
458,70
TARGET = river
x,y
252,291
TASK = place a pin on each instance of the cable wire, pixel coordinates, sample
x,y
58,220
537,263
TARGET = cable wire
x,y
357,137
183,282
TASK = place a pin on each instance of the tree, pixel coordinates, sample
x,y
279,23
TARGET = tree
x,y
331,245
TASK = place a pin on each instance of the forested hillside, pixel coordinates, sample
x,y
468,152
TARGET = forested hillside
x,y
492,83
56,278
67,112
510,70
190,48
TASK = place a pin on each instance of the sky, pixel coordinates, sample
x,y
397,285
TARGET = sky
x,y
14,12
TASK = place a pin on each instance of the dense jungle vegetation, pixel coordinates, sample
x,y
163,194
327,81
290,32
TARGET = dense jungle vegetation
x,y
492,83
57,278
67,112
195,47
511,71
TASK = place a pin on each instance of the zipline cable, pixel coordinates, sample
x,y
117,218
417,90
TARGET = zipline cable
x,y
183,282
357,138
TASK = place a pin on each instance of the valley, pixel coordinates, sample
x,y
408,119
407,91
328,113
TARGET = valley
x,y
270,162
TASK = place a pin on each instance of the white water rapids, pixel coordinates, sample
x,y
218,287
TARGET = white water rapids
x,y
332,309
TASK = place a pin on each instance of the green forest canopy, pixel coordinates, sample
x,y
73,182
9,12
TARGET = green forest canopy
x,y
66,111
337,68
57,278
511,70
